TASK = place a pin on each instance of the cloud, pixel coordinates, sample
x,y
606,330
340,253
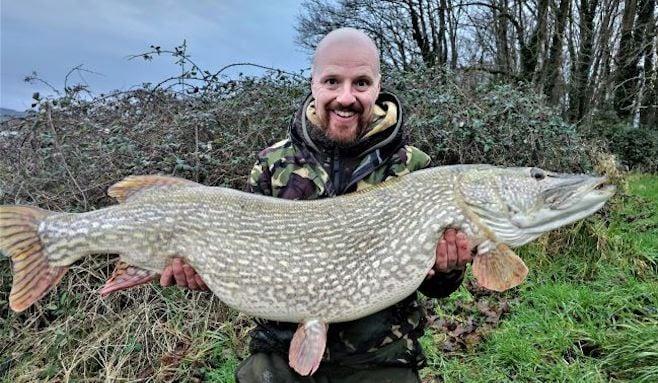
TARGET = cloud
x,y
54,36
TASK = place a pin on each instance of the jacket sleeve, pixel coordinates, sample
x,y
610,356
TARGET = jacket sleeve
x,y
442,284
260,179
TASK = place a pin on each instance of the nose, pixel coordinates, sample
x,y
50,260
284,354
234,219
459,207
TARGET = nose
x,y
346,97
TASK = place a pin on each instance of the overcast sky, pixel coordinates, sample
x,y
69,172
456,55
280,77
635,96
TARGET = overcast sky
x,y
53,36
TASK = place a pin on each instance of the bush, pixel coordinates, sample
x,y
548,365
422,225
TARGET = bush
x,y
460,118
65,156
636,148
210,138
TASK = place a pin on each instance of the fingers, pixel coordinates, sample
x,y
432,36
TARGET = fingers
x,y
201,283
452,253
183,275
179,273
464,253
451,257
190,275
442,255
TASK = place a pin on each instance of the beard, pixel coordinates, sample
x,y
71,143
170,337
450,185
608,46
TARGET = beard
x,y
319,136
342,140
340,135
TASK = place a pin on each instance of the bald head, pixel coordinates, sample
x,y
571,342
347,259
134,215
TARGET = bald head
x,y
346,42
345,83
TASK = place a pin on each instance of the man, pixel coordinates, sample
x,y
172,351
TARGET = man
x,y
347,135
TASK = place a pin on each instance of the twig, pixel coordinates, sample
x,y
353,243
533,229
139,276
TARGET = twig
x,y
196,152
262,67
35,77
79,68
61,153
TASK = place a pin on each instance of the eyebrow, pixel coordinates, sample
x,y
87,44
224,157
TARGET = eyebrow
x,y
358,76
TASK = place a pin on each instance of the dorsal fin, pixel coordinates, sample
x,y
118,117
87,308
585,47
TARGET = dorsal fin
x,y
132,185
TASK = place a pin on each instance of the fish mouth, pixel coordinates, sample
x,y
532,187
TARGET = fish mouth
x,y
569,201
579,192
605,187
602,189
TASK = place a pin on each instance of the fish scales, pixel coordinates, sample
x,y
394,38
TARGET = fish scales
x,y
282,260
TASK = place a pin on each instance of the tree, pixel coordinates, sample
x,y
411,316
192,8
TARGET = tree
x,y
408,32
647,25
554,65
531,52
578,95
627,72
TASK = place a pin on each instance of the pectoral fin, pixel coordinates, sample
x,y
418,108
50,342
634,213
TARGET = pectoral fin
x,y
499,269
307,347
126,276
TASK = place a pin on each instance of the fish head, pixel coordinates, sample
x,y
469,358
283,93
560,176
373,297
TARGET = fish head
x,y
520,204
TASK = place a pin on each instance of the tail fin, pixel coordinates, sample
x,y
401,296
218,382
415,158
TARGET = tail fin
x,y
33,276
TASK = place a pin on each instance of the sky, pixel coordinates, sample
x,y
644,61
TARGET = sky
x,y
51,37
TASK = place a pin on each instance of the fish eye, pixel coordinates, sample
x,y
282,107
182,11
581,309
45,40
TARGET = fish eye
x,y
537,174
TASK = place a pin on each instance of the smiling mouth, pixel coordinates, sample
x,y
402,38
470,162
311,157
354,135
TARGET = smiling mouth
x,y
344,113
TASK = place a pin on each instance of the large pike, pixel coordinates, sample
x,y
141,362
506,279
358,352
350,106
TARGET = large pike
x,y
312,262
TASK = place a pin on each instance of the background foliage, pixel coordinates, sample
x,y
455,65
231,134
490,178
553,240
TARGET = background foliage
x,y
65,154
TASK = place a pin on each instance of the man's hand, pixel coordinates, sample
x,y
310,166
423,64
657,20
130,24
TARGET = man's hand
x,y
183,275
453,252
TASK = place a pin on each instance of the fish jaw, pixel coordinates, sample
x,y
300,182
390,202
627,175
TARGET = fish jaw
x,y
572,203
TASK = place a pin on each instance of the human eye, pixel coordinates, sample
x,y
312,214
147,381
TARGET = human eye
x,y
362,83
331,81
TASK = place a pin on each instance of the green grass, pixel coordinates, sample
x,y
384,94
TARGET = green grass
x,y
224,357
588,311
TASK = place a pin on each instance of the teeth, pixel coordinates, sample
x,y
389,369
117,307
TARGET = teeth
x,y
344,113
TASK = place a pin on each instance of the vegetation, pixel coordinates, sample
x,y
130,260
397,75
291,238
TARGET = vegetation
x,y
588,311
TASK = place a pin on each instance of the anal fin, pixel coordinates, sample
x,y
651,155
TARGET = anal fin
x,y
307,347
499,269
126,276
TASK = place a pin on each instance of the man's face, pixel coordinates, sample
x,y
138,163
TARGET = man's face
x,y
345,86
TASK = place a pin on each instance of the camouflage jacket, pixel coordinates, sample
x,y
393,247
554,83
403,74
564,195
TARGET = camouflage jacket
x,y
305,166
